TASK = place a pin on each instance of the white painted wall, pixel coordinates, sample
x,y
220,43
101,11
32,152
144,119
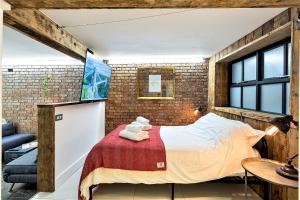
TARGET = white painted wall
x,y
83,125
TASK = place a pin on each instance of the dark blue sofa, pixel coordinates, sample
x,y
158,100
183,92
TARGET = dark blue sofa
x,y
22,169
11,139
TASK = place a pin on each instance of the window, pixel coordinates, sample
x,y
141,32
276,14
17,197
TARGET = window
x,y
261,81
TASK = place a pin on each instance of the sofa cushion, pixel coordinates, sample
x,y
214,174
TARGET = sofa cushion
x,y
8,129
15,140
22,169
21,178
25,164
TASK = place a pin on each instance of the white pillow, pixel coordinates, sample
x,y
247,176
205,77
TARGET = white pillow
x,y
236,126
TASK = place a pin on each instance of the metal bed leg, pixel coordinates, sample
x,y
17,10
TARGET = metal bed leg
x,y
91,193
11,187
173,188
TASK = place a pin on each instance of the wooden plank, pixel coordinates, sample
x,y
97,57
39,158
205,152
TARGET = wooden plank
x,y
221,88
263,41
295,41
39,27
46,150
261,116
293,135
77,4
281,145
275,23
211,83
71,103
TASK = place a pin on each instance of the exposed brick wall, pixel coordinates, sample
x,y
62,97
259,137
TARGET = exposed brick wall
x,y
190,91
22,91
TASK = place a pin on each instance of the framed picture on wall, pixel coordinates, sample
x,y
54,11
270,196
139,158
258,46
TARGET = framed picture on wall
x,y
156,83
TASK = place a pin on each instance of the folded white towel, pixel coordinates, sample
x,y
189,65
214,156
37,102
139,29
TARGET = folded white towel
x,y
134,127
142,120
145,127
142,135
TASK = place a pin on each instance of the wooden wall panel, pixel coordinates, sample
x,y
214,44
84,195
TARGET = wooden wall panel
x,y
281,145
77,4
278,21
38,26
293,135
294,100
46,149
211,83
221,90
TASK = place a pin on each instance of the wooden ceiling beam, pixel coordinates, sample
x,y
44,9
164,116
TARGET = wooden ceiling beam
x,y
39,27
77,4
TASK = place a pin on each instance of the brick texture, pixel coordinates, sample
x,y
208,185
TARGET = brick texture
x,y
190,92
23,90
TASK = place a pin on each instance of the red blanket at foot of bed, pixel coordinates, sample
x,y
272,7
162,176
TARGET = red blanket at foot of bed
x,y
119,153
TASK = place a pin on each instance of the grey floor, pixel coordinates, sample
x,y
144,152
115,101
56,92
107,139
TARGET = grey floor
x,y
68,191
20,191
199,191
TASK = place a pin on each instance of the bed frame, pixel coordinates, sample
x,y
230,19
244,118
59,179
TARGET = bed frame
x,y
262,148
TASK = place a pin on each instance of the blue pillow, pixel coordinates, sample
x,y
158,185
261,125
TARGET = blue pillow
x,y
8,129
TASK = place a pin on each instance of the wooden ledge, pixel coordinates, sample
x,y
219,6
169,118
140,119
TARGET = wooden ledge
x,y
276,35
261,116
69,103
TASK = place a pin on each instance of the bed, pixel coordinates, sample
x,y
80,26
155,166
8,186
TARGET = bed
x,y
209,149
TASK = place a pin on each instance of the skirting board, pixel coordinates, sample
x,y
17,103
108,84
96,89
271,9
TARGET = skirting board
x,y
68,172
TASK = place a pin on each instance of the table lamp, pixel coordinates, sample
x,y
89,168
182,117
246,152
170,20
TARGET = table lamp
x,y
283,124
198,110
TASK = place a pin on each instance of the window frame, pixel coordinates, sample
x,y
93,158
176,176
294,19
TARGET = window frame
x,y
260,80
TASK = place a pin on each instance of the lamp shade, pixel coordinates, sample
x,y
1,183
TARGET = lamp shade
x,y
282,123
198,110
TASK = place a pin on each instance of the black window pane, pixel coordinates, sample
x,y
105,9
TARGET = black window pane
x,y
249,97
236,72
274,62
271,98
235,97
257,82
250,69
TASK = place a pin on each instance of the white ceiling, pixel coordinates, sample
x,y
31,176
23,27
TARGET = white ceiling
x,y
185,33
20,49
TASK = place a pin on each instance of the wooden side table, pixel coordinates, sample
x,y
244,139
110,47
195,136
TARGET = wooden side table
x,y
264,169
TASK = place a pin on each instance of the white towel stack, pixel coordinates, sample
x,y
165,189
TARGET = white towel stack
x,y
137,130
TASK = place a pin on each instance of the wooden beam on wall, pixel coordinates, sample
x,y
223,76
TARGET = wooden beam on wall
x,y
272,37
46,149
282,145
77,4
293,135
295,42
211,83
275,29
39,27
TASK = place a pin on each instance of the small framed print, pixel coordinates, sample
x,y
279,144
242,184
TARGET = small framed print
x,y
156,83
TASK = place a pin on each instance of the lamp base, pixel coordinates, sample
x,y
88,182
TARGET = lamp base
x,y
288,171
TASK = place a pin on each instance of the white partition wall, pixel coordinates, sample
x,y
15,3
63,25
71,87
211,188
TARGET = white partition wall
x,y
82,125
66,133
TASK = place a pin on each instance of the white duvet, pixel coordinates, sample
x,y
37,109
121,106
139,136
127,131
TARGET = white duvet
x,y
211,148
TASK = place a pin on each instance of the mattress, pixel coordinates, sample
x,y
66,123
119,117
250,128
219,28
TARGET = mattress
x,y
193,156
